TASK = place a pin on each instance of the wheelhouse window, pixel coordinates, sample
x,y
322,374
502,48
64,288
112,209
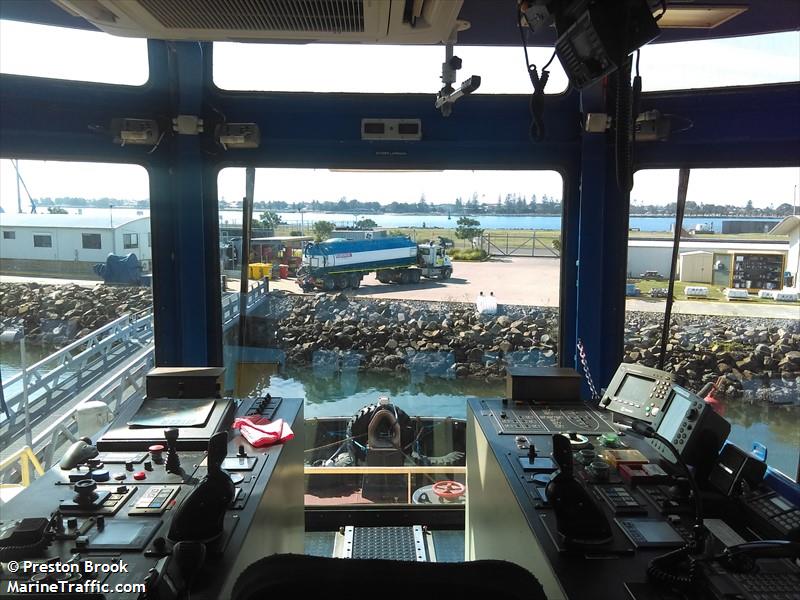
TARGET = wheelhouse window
x,y
389,297
9,235
752,60
42,240
736,312
414,69
74,54
130,240
64,227
91,241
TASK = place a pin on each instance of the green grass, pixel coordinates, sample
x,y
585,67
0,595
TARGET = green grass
x,y
715,292
475,254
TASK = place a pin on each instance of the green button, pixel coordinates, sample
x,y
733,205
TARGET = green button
x,y
609,439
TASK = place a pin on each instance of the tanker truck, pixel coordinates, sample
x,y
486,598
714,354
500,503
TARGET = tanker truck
x,y
338,264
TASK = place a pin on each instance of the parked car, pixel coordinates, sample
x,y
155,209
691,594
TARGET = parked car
x,y
650,275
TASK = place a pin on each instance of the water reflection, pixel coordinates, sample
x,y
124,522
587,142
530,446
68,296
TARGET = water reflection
x,y
343,392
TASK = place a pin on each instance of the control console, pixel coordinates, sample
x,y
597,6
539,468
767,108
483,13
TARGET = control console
x,y
136,517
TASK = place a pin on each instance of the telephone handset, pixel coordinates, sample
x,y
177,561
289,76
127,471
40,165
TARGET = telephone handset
x,y
741,558
753,570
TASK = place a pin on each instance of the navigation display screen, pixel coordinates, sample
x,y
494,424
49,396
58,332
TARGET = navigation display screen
x,y
634,388
674,415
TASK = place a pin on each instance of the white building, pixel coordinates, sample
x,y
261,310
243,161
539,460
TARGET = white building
x,y
69,244
656,255
791,226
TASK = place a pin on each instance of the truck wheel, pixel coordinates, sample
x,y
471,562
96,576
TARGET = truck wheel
x,y
341,282
384,276
355,281
447,273
415,276
405,277
328,284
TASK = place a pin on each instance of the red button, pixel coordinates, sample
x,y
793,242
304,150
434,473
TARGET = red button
x,y
156,448
140,475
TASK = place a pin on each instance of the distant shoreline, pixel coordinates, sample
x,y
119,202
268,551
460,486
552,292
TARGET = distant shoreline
x,y
367,214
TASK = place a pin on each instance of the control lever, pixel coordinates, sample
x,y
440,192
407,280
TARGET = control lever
x,y
173,576
173,464
78,453
200,518
578,518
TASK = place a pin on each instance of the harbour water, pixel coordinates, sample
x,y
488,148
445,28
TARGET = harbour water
x,y
774,426
528,222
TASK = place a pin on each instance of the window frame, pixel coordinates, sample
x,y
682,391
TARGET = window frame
x,y
92,236
49,236
130,245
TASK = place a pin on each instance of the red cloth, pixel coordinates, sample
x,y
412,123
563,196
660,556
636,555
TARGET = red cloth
x,y
259,431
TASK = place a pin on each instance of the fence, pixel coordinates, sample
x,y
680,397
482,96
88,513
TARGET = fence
x,y
520,244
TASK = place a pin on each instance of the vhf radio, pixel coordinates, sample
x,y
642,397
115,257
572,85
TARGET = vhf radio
x,y
643,394
638,392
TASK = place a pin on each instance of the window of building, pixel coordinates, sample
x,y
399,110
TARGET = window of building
x,y
42,240
382,69
735,295
74,54
9,235
424,258
130,240
91,241
149,239
751,60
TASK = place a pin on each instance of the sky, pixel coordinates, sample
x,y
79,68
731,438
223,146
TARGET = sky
x,y
100,57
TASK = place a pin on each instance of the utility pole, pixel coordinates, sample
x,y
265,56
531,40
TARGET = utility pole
x,y
19,196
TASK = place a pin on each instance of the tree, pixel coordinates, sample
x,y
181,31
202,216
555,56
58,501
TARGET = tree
x,y
467,228
271,220
322,230
366,224
57,210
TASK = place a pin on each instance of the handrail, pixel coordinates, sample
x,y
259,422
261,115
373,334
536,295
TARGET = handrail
x,y
27,459
122,385
110,364
408,471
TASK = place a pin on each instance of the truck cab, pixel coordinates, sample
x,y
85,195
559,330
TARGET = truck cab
x,y
433,260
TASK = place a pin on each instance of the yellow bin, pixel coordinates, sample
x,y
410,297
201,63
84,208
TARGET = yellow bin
x,y
260,270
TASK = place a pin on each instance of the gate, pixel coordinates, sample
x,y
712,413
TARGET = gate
x,y
520,244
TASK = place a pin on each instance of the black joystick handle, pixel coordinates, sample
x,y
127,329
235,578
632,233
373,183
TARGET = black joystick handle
x,y
85,491
531,452
562,453
217,450
173,463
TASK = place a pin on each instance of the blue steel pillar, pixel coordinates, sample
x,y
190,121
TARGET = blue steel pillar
x,y
186,294
602,250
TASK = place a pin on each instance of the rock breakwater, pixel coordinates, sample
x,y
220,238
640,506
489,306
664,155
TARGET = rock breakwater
x,y
55,315
741,355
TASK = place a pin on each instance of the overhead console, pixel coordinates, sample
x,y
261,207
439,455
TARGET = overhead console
x,y
170,502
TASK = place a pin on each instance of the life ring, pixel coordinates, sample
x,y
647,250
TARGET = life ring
x,y
392,417
449,490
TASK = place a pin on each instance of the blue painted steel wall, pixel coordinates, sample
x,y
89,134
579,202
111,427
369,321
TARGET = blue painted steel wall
x,y
43,118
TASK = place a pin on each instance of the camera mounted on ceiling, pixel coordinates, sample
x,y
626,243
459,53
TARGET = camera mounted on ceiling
x,y
448,95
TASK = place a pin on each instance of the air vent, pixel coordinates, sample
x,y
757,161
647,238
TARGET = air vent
x,y
354,21
331,16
